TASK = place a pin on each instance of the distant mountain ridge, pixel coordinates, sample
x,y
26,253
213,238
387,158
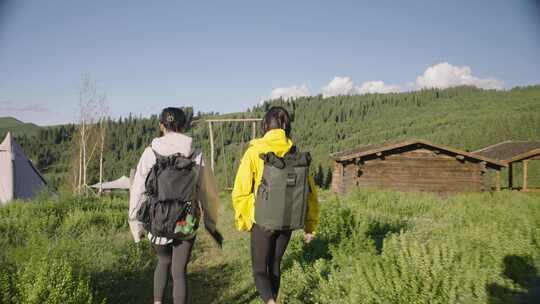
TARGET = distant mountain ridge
x,y
17,127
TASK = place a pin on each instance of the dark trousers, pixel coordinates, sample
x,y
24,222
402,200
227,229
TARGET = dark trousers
x,y
172,258
267,249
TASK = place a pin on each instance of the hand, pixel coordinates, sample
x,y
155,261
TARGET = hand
x,y
139,236
308,237
216,235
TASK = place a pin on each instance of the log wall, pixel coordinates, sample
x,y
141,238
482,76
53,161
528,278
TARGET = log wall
x,y
416,170
337,178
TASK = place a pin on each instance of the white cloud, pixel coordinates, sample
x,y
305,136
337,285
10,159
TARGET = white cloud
x,y
338,86
290,92
442,75
376,87
445,75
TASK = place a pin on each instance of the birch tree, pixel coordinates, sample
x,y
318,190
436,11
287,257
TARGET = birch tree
x,y
104,113
89,118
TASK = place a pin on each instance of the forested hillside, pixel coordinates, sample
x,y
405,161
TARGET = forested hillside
x,y
462,117
17,127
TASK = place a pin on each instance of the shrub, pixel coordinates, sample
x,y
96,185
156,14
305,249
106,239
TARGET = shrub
x,y
52,281
388,247
8,288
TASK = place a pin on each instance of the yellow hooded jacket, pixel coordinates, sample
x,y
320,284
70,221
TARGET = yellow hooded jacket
x,y
251,170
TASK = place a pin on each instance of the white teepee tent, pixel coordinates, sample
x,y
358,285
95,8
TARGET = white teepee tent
x,y
19,179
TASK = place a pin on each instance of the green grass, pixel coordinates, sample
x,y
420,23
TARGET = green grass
x,y
372,247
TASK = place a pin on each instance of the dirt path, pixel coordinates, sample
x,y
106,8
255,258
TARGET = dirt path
x,y
222,275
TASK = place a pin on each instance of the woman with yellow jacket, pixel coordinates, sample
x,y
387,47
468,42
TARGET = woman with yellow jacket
x,y
268,244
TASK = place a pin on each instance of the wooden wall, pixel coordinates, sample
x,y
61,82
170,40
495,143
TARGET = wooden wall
x,y
412,170
337,178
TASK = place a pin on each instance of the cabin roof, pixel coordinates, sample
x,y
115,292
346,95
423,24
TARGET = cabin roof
x,y
526,155
378,148
510,151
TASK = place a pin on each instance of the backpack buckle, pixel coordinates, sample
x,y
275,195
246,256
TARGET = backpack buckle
x,y
291,179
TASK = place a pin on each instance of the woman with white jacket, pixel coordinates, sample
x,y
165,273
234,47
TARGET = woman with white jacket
x,y
172,254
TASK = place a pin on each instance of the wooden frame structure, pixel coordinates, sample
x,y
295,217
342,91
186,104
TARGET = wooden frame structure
x,y
412,165
524,159
242,120
511,153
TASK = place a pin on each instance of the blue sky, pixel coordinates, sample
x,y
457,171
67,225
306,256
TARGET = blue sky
x,y
228,55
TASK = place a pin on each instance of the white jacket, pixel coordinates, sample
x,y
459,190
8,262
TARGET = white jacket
x,y
166,145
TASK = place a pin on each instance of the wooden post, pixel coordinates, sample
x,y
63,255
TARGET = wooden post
x,y
525,175
336,177
483,177
498,180
211,135
510,176
253,130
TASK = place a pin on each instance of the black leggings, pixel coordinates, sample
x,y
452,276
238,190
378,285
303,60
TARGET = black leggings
x,y
267,249
175,257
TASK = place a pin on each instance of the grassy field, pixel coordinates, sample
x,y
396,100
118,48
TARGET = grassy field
x,y
372,247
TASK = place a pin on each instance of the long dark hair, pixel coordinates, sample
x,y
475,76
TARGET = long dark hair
x,y
277,118
173,119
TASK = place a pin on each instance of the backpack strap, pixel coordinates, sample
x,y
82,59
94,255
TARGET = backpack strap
x,y
157,155
193,156
272,159
194,153
292,150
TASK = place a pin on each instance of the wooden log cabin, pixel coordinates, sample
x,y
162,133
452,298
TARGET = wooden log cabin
x,y
412,165
512,153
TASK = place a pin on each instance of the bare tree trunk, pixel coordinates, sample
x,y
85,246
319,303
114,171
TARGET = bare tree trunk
x,y
85,163
74,182
92,107
87,95
79,173
101,148
82,144
102,130
101,156
82,173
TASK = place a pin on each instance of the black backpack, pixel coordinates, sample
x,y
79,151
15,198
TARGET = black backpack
x,y
172,209
281,201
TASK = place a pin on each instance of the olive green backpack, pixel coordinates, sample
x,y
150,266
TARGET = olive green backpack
x,y
281,201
